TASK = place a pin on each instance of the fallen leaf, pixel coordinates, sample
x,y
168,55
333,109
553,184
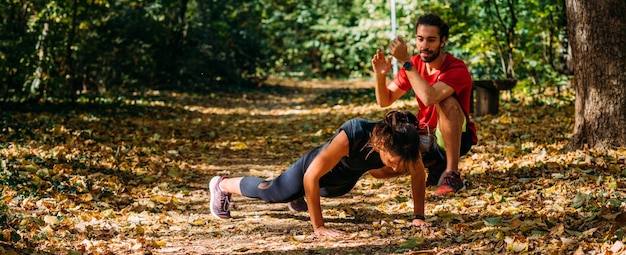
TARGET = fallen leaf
x,y
51,220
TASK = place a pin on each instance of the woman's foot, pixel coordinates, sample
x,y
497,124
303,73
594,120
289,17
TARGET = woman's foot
x,y
298,205
220,200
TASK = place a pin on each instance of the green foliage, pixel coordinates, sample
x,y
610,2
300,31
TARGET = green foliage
x,y
61,49
68,49
496,38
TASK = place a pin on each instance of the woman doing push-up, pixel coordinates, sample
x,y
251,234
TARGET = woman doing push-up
x,y
385,149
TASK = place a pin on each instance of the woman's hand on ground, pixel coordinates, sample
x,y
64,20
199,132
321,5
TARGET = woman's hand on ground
x,y
323,231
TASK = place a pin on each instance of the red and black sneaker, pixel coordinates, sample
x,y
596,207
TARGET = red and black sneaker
x,y
450,183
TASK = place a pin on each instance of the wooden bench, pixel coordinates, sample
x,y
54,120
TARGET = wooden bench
x,y
486,95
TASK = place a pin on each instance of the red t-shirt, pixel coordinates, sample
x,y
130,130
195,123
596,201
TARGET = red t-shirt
x,y
454,73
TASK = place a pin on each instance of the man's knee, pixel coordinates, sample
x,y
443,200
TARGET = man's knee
x,y
449,104
450,107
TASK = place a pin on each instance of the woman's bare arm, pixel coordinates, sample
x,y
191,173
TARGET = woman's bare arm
x,y
322,164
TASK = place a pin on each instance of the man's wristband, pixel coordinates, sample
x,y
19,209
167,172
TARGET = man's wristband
x,y
419,217
407,65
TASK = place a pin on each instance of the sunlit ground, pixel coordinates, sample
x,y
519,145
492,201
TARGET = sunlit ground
x,y
131,179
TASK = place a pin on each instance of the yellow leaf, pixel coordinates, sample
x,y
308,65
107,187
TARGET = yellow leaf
x,y
238,146
140,171
59,167
197,222
347,212
139,230
161,199
551,190
51,220
85,197
8,198
557,230
518,247
509,150
160,243
514,245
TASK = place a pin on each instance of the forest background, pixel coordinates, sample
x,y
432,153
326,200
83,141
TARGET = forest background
x,y
115,114
52,50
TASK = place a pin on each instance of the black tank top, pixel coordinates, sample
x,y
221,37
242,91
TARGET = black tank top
x,y
361,157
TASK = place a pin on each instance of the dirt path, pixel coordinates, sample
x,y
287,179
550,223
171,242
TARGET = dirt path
x,y
131,178
370,214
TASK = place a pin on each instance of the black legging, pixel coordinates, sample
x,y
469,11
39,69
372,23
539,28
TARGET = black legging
x,y
289,185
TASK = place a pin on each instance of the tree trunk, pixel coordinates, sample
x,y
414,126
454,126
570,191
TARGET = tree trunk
x,y
597,30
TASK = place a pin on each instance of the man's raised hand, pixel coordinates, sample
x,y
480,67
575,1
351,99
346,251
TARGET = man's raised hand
x,y
380,64
399,50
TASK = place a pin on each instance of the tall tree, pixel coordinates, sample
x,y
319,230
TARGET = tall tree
x,y
504,25
597,30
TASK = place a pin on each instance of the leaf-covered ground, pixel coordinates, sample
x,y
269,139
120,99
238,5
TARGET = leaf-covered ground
x,y
131,178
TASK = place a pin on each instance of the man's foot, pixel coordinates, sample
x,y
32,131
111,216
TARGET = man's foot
x,y
434,173
298,205
220,200
450,183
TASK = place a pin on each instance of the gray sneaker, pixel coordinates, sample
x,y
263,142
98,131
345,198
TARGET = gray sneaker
x,y
298,205
220,200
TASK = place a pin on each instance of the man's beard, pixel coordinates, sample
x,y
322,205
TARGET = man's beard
x,y
433,55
